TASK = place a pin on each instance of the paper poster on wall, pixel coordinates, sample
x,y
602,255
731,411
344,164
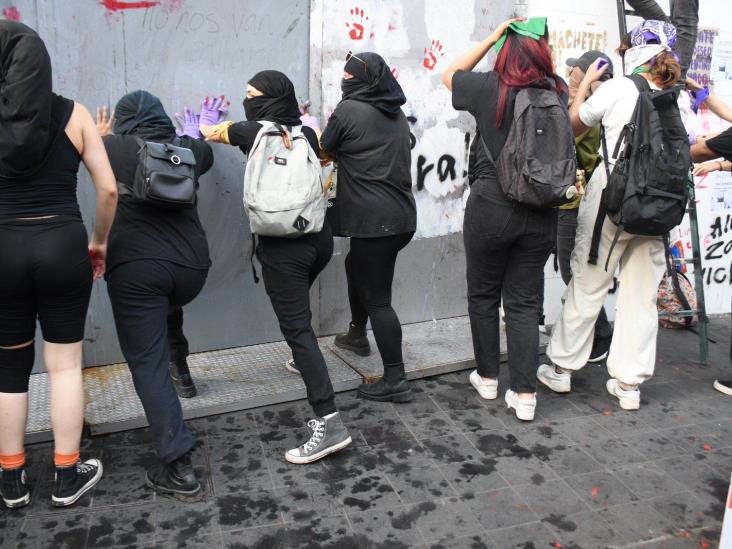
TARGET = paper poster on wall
x,y
722,59
701,60
572,36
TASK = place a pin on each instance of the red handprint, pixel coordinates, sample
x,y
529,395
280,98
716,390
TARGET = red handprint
x,y
356,26
432,56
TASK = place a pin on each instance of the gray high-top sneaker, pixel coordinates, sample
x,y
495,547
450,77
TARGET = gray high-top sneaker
x,y
329,435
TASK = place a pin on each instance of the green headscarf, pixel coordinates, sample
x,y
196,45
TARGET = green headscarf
x,y
533,28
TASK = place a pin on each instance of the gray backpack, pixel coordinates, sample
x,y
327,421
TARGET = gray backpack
x,y
283,185
538,163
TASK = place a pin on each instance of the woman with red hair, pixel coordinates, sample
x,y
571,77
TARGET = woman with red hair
x,y
506,243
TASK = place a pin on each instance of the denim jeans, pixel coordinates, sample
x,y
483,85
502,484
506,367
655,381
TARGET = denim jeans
x,y
684,16
506,248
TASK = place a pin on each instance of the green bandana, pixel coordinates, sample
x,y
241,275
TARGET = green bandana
x,y
533,28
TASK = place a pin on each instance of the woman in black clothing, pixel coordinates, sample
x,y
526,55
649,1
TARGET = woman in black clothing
x,y
368,134
506,243
158,261
291,265
45,269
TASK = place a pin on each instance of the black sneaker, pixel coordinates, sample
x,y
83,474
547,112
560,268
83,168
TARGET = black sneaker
x,y
383,390
354,340
14,487
181,376
73,482
176,478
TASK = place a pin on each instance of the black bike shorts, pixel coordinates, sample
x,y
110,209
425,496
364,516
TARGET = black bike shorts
x,y
45,274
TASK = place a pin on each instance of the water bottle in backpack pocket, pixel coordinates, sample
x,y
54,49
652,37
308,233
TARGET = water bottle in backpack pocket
x,y
537,165
283,185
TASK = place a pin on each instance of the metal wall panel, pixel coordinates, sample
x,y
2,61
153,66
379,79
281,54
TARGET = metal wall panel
x,y
180,50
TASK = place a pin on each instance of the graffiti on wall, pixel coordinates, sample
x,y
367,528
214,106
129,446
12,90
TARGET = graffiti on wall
x,y
418,39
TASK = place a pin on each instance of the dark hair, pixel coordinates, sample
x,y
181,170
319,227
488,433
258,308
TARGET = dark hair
x,y
665,69
524,62
624,46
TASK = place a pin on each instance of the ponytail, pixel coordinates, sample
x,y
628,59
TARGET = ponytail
x,y
665,69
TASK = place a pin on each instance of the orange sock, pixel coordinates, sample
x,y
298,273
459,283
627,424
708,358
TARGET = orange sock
x,y
63,460
13,461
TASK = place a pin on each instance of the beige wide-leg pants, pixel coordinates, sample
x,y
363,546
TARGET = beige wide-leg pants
x,y
642,263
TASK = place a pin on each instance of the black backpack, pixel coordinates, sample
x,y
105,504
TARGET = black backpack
x,y
165,176
646,192
538,162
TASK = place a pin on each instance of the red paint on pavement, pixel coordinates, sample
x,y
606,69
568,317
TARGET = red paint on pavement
x,y
595,491
707,447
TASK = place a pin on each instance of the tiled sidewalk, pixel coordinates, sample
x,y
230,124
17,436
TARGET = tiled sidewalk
x,y
445,471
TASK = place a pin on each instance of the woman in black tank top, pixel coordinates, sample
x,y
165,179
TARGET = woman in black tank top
x,y
45,264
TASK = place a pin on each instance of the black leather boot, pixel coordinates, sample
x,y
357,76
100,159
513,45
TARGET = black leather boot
x,y
181,376
393,387
354,340
176,478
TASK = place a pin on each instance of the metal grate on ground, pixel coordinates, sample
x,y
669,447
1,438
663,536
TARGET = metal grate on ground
x,y
249,377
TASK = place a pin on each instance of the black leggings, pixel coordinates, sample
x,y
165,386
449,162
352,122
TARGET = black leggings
x,y
289,268
370,272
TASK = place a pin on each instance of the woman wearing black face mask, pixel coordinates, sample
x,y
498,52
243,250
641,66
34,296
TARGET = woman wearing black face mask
x,y
158,262
290,266
368,134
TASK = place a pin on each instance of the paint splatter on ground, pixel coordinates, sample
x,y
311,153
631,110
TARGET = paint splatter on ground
x,y
481,480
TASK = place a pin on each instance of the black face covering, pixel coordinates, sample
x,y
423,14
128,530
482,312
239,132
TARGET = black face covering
x,y
140,113
373,83
31,116
278,102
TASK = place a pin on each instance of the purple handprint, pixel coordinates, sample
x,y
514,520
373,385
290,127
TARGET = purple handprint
x,y
213,110
189,123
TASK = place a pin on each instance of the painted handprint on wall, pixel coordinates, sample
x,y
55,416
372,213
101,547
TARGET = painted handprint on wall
x,y
432,55
357,25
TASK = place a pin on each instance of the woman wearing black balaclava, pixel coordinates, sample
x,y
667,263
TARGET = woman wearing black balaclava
x,y
368,134
45,267
158,261
290,266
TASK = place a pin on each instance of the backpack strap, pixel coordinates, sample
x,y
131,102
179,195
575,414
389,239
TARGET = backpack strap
x,y
641,83
487,150
251,258
674,274
602,211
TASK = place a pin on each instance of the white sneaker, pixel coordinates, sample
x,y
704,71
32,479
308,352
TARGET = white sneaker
x,y
290,366
629,400
559,383
525,409
723,386
486,389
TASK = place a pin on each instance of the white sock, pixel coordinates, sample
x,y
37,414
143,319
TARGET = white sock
x,y
329,416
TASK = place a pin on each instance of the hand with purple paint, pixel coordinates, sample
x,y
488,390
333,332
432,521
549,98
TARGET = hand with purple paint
x,y
188,123
214,110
